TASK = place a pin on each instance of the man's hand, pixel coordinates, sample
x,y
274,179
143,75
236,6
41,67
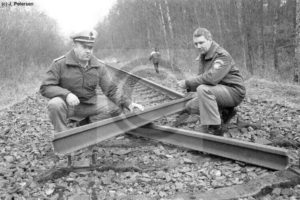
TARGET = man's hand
x,y
72,99
132,106
181,84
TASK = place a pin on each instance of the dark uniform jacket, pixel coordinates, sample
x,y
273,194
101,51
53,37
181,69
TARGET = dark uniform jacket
x,y
155,57
67,76
218,67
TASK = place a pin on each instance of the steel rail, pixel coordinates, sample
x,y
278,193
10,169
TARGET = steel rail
x,y
171,93
74,139
256,154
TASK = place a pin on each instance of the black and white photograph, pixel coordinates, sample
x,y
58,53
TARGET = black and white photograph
x,y
150,100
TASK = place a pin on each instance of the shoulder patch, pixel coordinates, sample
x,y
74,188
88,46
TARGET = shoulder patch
x,y
59,58
221,62
218,63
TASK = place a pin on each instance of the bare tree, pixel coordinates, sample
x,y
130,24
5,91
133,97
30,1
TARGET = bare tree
x,y
217,14
164,27
262,39
274,4
297,43
242,35
254,31
171,34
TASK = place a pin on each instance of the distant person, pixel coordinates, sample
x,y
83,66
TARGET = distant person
x,y
218,87
155,58
71,83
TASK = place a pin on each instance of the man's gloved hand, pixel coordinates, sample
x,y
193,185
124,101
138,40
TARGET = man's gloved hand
x,y
132,106
72,99
181,84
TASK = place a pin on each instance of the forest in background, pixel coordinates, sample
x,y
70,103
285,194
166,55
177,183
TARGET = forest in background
x,y
29,42
260,34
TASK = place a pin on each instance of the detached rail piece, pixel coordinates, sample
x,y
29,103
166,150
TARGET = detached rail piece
x,y
74,139
256,154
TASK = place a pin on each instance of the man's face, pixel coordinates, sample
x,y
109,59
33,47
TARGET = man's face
x,y
83,51
202,44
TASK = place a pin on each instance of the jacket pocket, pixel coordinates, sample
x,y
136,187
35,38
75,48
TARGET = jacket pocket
x,y
91,79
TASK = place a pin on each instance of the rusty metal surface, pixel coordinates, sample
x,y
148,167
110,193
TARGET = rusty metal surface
x,y
84,136
256,154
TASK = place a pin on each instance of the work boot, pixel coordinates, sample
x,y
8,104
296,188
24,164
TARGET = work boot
x,y
210,129
216,130
181,119
228,114
83,122
202,129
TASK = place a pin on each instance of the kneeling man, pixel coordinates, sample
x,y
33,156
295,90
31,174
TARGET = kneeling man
x,y
71,84
219,85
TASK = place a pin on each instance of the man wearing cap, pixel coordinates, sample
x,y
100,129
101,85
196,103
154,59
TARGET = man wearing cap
x,y
71,83
219,85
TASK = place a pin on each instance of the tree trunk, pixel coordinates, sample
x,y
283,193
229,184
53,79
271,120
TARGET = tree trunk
x,y
146,15
275,33
215,7
164,29
196,13
239,8
297,42
249,54
262,40
246,21
171,34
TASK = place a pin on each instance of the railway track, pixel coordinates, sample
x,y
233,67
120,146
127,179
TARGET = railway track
x,y
160,102
135,167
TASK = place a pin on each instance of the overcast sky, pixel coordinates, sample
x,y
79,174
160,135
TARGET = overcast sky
x,y
74,15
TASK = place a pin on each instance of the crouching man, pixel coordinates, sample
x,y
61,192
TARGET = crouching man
x,y
219,85
71,83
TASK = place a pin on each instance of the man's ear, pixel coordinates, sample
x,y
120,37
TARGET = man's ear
x,y
75,44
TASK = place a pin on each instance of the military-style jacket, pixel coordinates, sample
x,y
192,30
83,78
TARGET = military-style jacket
x,y
67,76
218,67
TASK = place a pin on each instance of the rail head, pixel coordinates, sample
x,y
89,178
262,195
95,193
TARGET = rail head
x,y
224,140
257,154
152,84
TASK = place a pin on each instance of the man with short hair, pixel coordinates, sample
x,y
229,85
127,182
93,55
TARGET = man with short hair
x,y
155,57
219,85
71,84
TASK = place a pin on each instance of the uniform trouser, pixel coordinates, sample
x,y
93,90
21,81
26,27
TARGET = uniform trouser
x,y
59,111
207,101
156,67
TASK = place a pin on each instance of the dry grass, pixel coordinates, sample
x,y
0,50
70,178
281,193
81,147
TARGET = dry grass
x,y
18,83
282,93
